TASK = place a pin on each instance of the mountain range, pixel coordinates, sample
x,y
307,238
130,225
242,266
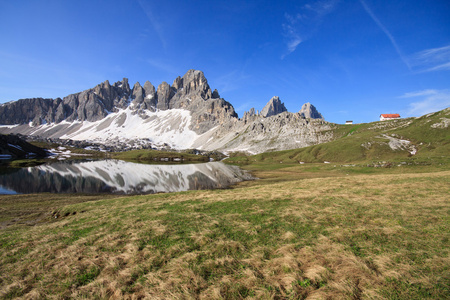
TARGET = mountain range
x,y
186,114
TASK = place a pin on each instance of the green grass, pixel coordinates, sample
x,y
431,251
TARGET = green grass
x,y
372,224
22,163
157,156
35,209
340,236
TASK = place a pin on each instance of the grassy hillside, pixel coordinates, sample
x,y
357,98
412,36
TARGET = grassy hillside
x,y
428,136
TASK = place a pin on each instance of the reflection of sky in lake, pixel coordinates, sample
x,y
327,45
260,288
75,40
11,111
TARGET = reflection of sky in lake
x,y
115,176
4,191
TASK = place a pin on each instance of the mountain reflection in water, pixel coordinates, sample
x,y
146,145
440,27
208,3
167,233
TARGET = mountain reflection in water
x,y
120,177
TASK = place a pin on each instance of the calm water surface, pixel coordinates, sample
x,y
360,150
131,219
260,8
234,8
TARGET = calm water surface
x,y
119,177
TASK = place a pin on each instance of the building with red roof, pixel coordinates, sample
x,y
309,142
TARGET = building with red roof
x,y
384,117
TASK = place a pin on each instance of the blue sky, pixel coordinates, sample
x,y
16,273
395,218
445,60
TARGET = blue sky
x,y
352,59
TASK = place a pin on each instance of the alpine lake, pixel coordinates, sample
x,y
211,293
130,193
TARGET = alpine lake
x,y
112,176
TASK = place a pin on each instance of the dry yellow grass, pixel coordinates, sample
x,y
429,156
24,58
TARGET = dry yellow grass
x,y
348,237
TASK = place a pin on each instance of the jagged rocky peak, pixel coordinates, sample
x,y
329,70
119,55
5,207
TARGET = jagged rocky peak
x,y
250,115
193,81
149,88
309,111
215,94
251,112
164,94
177,83
273,107
144,98
34,110
190,92
138,94
123,85
186,90
103,89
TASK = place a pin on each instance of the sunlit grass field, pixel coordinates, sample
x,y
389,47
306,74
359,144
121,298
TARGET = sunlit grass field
x,y
371,224
311,231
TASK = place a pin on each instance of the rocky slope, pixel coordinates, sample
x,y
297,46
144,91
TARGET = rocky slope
x,y
258,134
186,114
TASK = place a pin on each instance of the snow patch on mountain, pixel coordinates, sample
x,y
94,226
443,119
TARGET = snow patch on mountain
x,y
161,127
9,126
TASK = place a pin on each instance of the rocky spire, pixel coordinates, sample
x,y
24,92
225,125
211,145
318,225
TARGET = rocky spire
x,y
164,93
195,81
273,107
150,100
310,112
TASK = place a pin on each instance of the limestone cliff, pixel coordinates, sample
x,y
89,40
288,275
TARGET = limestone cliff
x,y
186,114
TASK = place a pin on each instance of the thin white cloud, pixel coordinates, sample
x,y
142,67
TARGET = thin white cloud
x,y
428,101
299,27
445,66
291,33
419,93
231,81
159,64
292,45
386,32
442,53
156,25
429,60
322,8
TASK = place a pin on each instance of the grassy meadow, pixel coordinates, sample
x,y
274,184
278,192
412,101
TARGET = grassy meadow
x,y
312,231
371,224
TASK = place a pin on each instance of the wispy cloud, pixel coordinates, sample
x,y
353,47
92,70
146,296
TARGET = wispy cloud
x,y
436,59
419,94
429,60
231,81
386,32
156,25
299,27
427,101
292,45
290,32
162,66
